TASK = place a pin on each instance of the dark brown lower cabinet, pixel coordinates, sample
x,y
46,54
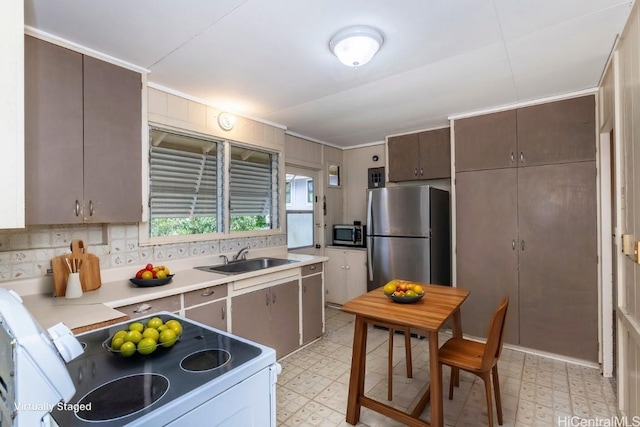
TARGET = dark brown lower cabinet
x,y
558,259
487,256
530,232
269,316
213,314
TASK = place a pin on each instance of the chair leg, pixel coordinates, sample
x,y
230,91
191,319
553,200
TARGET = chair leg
x,y
496,390
407,351
487,389
390,366
451,381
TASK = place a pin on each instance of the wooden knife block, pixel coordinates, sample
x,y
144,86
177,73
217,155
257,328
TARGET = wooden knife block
x,y
89,269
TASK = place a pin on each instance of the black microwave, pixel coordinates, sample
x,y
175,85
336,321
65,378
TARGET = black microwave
x,y
349,235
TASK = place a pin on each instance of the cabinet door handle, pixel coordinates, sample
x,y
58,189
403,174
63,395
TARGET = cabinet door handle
x,y
347,267
313,267
223,312
207,292
91,208
274,298
415,171
522,245
142,308
513,157
513,245
342,267
521,157
77,207
421,171
267,295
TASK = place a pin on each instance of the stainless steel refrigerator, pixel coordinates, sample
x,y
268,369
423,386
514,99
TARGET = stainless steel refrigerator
x,y
408,235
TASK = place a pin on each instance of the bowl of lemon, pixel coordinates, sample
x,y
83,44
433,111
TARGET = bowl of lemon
x,y
403,291
144,337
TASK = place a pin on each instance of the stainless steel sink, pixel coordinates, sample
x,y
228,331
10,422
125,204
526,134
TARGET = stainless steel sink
x,y
245,266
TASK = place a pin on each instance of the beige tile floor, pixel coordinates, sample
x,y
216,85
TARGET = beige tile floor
x,y
536,391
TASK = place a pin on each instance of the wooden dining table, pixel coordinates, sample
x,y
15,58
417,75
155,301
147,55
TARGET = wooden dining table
x,y
429,314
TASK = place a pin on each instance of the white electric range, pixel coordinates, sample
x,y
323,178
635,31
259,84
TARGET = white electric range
x,y
208,376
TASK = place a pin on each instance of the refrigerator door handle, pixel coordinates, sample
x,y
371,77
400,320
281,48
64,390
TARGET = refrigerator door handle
x,y
370,258
370,233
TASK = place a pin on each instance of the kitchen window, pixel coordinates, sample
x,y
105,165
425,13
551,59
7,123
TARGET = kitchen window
x,y
253,189
191,176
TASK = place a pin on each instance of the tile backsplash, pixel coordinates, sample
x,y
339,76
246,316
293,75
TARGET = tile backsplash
x,y
27,253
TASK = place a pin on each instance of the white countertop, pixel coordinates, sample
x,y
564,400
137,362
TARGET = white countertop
x,y
99,306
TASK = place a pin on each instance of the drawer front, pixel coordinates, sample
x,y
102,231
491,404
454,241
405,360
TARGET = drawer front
x,y
171,304
312,269
204,295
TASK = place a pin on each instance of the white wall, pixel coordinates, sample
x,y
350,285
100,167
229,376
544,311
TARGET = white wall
x,y
12,114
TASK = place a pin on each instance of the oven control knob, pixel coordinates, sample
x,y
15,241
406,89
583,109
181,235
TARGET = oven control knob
x,y
68,346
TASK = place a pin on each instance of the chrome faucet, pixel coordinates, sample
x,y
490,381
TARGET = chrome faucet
x,y
242,252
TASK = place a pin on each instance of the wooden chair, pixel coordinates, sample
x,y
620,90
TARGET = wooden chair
x,y
478,358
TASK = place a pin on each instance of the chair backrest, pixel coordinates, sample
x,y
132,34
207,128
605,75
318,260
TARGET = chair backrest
x,y
493,347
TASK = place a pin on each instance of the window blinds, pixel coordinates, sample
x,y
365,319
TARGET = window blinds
x,y
182,183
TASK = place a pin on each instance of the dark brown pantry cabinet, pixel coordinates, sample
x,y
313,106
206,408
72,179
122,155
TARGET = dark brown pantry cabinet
x,y
83,138
527,228
312,314
418,156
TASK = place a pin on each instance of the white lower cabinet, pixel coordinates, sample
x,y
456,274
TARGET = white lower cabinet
x,y
345,274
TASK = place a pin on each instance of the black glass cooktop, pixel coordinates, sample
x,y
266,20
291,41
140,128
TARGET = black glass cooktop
x,y
122,389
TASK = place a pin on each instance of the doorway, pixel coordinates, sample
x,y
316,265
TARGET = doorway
x,y
304,221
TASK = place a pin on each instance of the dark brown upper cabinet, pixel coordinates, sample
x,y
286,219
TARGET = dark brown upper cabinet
x,y
551,133
83,138
418,156
557,132
486,142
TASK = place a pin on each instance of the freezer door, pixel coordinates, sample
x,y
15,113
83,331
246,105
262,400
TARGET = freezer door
x,y
397,258
398,211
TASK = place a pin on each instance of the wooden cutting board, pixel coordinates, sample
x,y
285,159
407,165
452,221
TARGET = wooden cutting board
x,y
89,268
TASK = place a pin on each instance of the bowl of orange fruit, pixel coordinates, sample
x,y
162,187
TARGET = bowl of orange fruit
x,y
403,291
152,276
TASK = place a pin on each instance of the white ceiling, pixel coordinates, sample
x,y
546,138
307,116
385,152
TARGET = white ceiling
x,y
269,59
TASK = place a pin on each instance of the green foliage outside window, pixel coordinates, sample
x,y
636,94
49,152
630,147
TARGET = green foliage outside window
x,y
249,223
183,226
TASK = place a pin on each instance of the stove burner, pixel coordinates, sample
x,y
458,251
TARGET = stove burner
x,y
205,360
123,397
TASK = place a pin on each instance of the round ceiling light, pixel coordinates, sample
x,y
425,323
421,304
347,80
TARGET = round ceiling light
x,y
355,46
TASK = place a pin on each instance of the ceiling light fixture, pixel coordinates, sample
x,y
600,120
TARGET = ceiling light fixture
x,y
355,46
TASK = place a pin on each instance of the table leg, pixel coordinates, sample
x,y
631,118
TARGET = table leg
x,y
457,333
356,380
435,372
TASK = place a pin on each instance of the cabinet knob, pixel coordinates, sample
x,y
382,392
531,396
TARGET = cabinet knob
x,y
347,267
421,171
521,157
313,267
513,245
415,171
274,298
267,295
207,292
512,157
91,208
223,312
522,245
342,267
77,207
